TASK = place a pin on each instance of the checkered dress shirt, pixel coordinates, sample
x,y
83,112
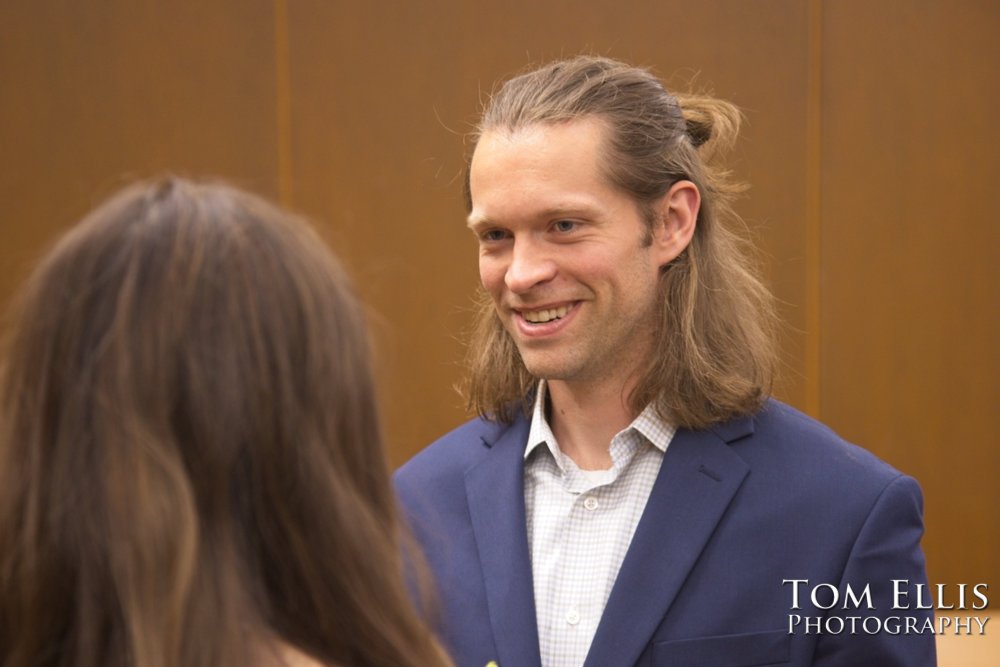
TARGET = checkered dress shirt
x,y
580,523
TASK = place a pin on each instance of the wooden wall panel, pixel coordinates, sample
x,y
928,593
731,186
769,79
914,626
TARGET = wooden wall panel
x,y
909,257
380,99
96,94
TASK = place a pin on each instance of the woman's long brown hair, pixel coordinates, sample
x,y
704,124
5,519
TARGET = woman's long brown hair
x,y
191,464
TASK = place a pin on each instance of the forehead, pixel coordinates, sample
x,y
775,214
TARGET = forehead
x,y
541,165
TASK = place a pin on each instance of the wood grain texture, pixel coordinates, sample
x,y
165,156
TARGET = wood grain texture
x,y
910,258
96,95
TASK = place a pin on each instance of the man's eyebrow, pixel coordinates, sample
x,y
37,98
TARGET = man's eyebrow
x,y
476,222
570,209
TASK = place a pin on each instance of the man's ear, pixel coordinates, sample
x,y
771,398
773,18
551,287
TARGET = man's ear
x,y
677,215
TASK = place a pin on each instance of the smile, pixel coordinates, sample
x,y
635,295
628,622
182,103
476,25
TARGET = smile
x,y
543,316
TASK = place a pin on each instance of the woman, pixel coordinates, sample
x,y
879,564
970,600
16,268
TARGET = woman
x,y
191,465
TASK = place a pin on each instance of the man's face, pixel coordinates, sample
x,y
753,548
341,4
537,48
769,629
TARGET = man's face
x,y
561,253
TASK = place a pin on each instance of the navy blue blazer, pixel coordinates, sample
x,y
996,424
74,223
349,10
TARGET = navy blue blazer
x,y
736,510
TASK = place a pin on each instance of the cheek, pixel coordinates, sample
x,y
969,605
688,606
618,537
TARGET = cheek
x,y
491,275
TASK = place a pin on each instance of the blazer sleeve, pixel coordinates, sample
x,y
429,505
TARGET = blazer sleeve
x,y
887,548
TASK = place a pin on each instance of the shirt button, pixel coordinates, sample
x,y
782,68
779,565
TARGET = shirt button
x,y
590,503
572,617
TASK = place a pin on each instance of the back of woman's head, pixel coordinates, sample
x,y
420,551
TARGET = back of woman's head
x,y
191,467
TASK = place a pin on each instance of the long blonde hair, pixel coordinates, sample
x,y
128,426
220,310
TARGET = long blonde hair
x,y
715,353
191,463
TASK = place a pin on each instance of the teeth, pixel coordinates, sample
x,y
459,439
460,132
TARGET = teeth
x,y
542,316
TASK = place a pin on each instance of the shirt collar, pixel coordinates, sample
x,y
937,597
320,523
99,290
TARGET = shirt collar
x,y
658,431
540,433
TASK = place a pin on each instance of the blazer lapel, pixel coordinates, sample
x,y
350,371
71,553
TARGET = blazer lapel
x,y
495,489
697,480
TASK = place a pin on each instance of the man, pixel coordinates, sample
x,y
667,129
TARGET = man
x,y
629,494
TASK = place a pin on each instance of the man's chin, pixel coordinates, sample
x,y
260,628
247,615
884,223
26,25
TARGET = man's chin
x,y
547,369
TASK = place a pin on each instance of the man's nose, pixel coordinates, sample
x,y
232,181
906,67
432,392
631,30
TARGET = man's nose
x,y
530,265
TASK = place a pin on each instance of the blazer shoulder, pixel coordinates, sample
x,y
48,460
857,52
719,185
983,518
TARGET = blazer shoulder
x,y
451,454
813,452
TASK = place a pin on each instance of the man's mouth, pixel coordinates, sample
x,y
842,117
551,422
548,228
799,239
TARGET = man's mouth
x,y
545,315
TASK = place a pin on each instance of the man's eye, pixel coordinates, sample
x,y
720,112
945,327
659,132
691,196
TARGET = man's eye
x,y
564,226
493,235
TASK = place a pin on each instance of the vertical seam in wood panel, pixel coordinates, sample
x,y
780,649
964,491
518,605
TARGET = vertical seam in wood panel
x,y
814,254
283,99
